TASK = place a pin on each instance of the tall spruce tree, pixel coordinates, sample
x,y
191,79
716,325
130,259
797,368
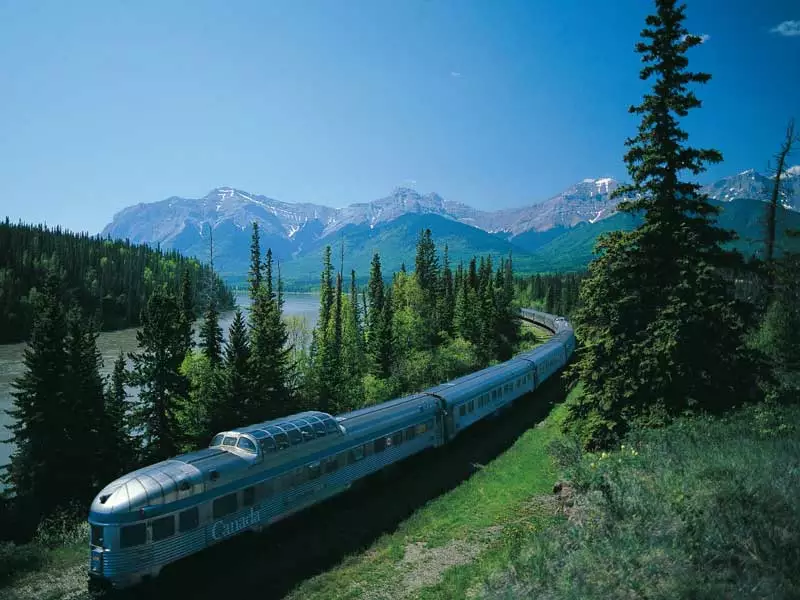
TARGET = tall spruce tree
x,y
323,380
210,331
85,421
375,316
269,354
426,273
230,409
446,295
117,438
156,370
40,470
660,329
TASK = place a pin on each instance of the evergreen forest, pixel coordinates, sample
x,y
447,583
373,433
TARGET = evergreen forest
x,y
108,280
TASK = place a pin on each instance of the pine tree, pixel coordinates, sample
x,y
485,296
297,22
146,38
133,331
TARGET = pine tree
x,y
40,471
85,420
254,275
446,295
230,410
121,453
269,355
323,379
210,331
156,370
660,329
426,273
375,316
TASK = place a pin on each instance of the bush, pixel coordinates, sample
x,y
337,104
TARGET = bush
x,y
16,559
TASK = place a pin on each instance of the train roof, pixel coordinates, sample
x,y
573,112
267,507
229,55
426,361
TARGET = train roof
x,y
387,414
477,383
166,481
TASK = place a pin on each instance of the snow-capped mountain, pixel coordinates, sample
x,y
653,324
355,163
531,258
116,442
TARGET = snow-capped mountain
x,y
291,230
755,186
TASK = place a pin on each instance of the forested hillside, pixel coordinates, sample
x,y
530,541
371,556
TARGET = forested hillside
x,y
109,280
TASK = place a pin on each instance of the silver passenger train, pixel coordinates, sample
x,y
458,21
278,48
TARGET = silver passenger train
x,y
253,476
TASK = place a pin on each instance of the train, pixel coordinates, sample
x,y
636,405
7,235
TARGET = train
x,y
253,476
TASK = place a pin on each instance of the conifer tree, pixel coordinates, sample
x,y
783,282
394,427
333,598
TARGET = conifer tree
x,y
210,331
254,275
324,372
230,409
269,355
40,471
156,370
117,438
85,419
426,273
375,316
446,295
660,328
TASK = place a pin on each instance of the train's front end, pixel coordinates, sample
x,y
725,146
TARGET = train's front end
x,y
125,521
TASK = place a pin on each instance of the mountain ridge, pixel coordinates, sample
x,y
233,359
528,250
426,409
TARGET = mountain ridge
x,y
293,230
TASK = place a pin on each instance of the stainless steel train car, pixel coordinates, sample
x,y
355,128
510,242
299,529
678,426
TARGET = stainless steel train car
x,y
253,476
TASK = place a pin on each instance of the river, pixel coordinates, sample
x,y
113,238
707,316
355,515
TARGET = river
x,y
111,342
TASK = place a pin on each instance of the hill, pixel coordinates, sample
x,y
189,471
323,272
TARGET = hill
x,y
396,242
109,280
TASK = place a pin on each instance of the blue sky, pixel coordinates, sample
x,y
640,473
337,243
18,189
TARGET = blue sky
x,y
493,103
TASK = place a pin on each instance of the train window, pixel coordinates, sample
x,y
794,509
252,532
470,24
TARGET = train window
x,y
295,437
97,536
229,440
267,445
397,438
314,471
249,496
247,445
163,528
331,465
306,430
379,445
217,440
471,405
411,432
225,506
331,426
429,425
421,428
494,394
133,535
319,428
282,440
462,410
356,454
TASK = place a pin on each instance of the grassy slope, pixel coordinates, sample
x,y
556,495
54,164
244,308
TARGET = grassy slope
x,y
705,508
447,548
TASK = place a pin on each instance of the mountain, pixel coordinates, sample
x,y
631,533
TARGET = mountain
x,y
573,249
297,232
756,186
396,242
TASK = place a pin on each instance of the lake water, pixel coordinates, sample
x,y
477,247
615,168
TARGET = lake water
x,y
110,343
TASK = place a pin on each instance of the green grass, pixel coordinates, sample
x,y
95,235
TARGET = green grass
x,y
450,546
705,508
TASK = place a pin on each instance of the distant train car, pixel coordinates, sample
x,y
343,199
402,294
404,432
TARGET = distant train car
x,y
468,399
253,476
